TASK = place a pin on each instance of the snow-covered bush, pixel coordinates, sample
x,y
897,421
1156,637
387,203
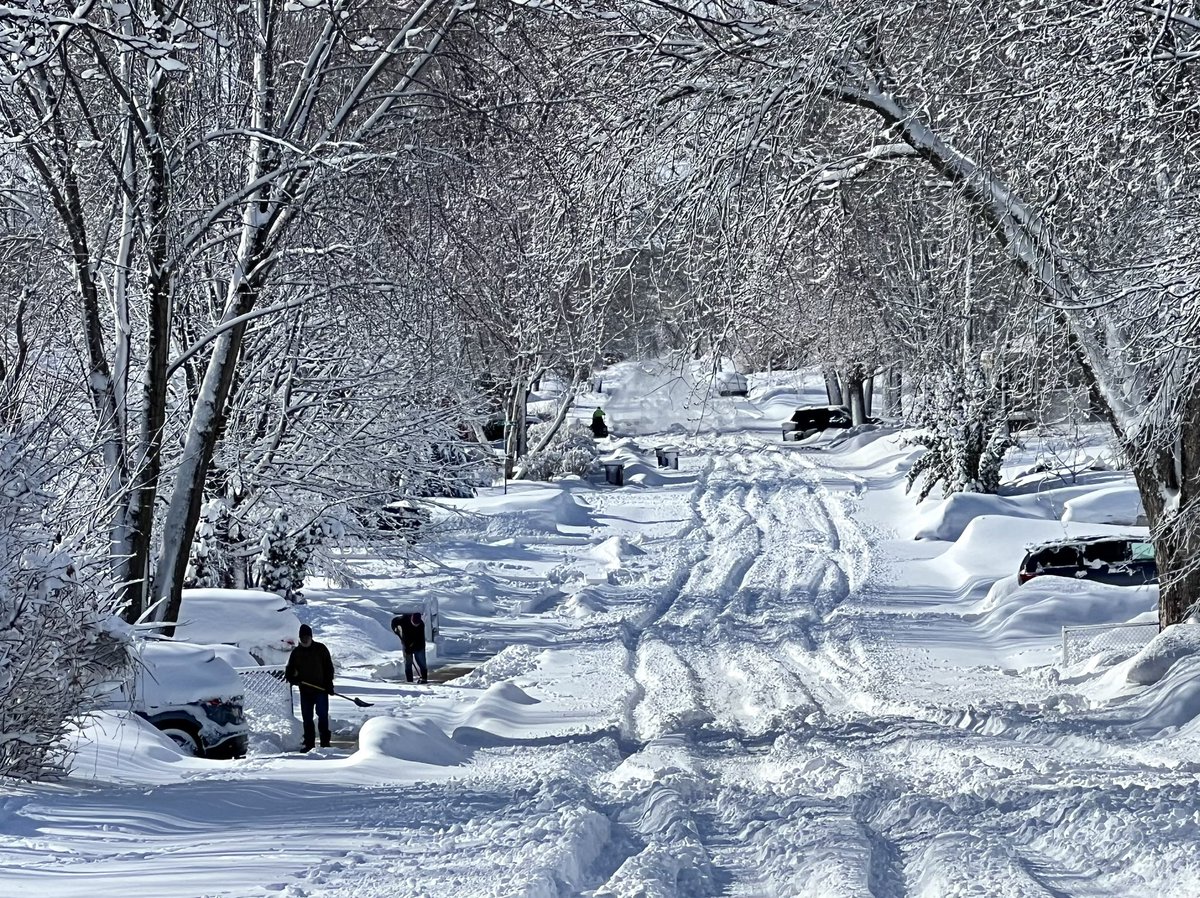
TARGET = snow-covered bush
x,y
208,564
572,450
284,555
965,433
55,636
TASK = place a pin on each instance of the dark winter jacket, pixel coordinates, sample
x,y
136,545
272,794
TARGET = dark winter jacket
x,y
411,630
311,664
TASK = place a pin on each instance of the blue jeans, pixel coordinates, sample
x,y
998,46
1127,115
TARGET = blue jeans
x,y
422,668
314,700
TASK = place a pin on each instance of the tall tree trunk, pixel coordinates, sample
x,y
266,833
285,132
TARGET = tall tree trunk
x,y
1168,479
55,168
250,268
892,392
514,433
869,394
147,469
833,389
854,390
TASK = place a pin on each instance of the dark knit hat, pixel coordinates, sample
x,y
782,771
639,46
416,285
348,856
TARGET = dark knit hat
x,y
305,632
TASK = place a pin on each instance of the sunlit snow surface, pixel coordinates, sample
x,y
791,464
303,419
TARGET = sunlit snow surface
x,y
743,677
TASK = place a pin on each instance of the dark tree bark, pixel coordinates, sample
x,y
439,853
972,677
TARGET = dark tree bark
x,y
833,388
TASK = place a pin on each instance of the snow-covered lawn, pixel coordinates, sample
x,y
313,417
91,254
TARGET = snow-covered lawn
x,y
741,678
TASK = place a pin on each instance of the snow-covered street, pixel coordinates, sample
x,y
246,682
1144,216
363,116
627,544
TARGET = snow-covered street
x,y
608,449
734,679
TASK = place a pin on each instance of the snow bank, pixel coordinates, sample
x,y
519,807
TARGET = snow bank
x,y
405,739
1151,664
993,546
1114,505
947,519
502,710
1170,703
611,553
121,747
641,465
594,566
526,508
1044,605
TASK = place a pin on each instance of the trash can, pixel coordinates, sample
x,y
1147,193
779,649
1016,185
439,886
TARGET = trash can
x,y
614,472
667,458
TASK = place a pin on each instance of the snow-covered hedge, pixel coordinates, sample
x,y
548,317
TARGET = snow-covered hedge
x,y
571,451
55,636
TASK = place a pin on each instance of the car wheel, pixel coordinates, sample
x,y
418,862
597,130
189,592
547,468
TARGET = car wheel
x,y
187,740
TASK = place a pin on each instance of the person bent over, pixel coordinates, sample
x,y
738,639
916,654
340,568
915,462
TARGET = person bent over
x,y
411,630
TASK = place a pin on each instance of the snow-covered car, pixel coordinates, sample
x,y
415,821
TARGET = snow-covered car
x,y
189,693
1121,561
810,419
262,623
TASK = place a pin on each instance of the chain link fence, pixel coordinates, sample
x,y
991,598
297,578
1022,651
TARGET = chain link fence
x,y
1116,641
268,699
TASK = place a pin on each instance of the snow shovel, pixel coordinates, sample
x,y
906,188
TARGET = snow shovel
x,y
349,698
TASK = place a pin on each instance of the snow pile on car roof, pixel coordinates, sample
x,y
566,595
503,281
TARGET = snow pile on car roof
x,y
167,673
526,508
1114,505
257,621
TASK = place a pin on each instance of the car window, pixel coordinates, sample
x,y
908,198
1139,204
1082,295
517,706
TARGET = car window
x,y
1107,552
1056,556
1142,551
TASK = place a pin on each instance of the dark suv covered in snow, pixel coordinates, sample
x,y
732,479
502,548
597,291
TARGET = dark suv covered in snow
x,y
1119,560
810,419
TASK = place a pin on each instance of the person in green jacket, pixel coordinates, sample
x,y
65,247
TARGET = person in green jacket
x,y
599,428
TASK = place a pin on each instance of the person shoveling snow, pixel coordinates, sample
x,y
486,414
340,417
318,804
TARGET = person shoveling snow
x,y
310,668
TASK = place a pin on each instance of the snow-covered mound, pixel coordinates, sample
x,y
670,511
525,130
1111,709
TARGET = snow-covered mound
x,y
120,746
526,508
1151,664
1045,605
947,519
405,739
640,465
503,712
1114,505
992,545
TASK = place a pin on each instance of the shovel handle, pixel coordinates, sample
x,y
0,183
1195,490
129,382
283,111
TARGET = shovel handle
x,y
349,698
